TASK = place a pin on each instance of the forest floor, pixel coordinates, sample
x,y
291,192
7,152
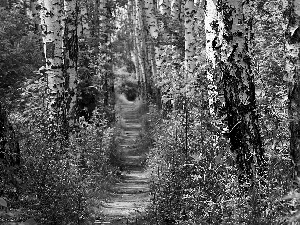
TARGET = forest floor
x,y
129,197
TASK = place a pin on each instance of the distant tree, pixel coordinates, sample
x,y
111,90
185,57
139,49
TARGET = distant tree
x,y
190,45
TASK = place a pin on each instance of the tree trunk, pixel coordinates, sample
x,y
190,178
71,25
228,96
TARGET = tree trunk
x,y
71,57
176,9
230,38
83,29
164,7
292,35
151,19
132,13
140,45
213,40
190,45
52,39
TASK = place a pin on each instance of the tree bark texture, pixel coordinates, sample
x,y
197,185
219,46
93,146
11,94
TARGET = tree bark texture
x,y
176,9
52,38
164,7
70,42
190,41
229,39
292,35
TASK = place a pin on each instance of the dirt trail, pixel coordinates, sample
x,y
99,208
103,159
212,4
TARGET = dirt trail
x,y
130,196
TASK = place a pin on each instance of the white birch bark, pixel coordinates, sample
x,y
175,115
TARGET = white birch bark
x,y
164,7
52,39
139,39
151,18
190,45
175,9
228,40
213,38
132,12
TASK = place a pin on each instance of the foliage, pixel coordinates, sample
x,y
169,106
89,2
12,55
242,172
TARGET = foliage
x,y
193,173
20,54
57,184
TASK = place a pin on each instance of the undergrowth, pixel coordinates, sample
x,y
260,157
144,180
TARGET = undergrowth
x,y
58,184
194,178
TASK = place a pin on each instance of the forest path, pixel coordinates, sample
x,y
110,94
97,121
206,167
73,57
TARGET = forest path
x,y
130,196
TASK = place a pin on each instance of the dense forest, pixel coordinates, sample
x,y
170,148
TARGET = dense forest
x,y
153,112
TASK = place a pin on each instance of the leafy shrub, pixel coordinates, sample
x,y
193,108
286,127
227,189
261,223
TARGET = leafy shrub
x,y
199,185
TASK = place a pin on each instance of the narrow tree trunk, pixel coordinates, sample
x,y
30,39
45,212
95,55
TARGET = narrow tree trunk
x,y
213,41
140,45
83,29
176,9
292,35
132,14
71,57
151,18
52,39
190,43
164,7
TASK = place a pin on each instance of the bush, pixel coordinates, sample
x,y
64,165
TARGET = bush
x,y
199,185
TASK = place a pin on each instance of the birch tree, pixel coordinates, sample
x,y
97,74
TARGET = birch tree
x,y
292,35
213,38
52,38
164,7
190,47
132,16
140,45
151,18
70,42
104,42
229,33
176,9
83,29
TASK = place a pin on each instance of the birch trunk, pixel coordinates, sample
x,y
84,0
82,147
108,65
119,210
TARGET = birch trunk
x,y
293,70
70,56
52,39
213,40
132,13
151,18
230,38
164,7
140,45
190,45
176,9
